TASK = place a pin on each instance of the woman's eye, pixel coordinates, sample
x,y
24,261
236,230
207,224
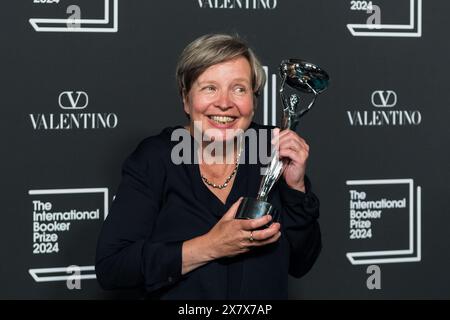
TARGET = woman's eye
x,y
209,89
240,90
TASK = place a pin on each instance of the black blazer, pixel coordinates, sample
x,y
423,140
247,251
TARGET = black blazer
x,y
160,204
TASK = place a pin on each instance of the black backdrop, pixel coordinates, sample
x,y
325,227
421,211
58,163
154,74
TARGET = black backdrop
x,y
379,132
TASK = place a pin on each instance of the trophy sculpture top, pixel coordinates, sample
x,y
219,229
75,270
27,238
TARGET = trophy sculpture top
x,y
304,76
301,76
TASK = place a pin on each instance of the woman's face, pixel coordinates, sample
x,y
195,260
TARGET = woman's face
x,y
221,98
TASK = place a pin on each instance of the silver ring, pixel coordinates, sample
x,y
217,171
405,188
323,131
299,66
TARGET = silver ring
x,y
251,236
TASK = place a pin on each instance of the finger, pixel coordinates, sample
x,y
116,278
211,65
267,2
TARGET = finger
x,y
292,136
229,215
261,235
285,133
296,157
289,134
298,141
292,144
276,132
253,224
267,241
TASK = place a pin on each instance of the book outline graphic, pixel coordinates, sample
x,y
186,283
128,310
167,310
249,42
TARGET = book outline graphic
x,y
413,29
62,273
85,25
395,256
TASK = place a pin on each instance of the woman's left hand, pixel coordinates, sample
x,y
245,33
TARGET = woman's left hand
x,y
294,151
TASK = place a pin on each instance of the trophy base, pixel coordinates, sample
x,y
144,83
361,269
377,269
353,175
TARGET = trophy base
x,y
251,208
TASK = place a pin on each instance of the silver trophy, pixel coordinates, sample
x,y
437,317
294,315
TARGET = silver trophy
x,y
300,76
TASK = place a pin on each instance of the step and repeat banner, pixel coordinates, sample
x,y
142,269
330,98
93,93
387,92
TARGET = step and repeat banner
x,y
83,81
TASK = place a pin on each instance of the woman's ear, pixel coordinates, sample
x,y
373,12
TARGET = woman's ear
x,y
255,101
185,97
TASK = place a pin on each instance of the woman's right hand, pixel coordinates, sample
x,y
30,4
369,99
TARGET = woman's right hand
x,y
230,236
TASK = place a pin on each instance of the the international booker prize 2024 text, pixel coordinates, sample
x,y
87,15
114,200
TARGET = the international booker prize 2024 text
x,y
363,212
49,225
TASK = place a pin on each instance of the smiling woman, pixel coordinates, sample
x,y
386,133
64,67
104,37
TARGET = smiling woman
x,y
224,54
172,228
222,97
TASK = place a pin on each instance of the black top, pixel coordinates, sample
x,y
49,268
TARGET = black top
x,y
160,204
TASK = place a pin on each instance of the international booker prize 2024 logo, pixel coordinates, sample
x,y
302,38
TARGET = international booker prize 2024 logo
x,y
75,21
384,221
381,20
65,225
384,113
73,103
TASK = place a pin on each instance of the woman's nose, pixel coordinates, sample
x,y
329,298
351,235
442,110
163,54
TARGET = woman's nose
x,y
224,100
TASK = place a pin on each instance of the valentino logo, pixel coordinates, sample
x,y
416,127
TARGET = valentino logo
x,y
71,100
238,4
384,99
384,113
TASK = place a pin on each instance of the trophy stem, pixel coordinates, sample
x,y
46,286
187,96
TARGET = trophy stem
x,y
313,101
271,176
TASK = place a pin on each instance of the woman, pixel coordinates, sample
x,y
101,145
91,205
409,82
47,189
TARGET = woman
x,y
171,227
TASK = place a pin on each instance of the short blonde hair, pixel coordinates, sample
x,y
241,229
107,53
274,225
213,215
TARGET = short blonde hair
x,y
212,49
